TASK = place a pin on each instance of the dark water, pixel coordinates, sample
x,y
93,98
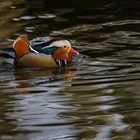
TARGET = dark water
x,y
97,99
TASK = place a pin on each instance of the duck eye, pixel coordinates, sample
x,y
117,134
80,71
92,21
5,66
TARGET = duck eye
x,y
65,46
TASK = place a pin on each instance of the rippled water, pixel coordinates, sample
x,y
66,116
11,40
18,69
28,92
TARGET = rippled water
x,y
98,98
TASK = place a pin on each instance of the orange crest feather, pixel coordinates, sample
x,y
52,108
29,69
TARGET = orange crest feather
x,y
21,46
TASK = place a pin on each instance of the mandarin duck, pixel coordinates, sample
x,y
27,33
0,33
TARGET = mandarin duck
x,y
53,53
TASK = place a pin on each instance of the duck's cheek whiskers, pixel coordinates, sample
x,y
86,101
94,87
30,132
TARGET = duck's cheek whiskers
x,y
61,63
58,62
65,61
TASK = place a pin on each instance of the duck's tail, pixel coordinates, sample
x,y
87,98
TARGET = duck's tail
x,y
7,55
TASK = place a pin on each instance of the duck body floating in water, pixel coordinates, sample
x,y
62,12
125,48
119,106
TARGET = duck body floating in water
x,y
54,53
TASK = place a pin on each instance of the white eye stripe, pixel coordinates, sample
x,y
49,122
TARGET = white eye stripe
x,y
60,43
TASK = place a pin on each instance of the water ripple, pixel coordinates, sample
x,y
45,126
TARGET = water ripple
x,y
98,97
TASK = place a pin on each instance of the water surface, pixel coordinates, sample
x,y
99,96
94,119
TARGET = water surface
x,y
98,98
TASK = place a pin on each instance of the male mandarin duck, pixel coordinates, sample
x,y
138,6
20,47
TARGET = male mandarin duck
x,y
54,53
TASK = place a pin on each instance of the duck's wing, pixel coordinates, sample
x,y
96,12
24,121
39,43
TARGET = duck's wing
x,y
44,48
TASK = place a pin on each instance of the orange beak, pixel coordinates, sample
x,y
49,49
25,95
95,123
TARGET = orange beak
x,y
72,51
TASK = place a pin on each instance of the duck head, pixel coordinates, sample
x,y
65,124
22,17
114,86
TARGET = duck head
x,y
63,50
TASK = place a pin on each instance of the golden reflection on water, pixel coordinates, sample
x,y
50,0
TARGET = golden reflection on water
x,y
64,74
